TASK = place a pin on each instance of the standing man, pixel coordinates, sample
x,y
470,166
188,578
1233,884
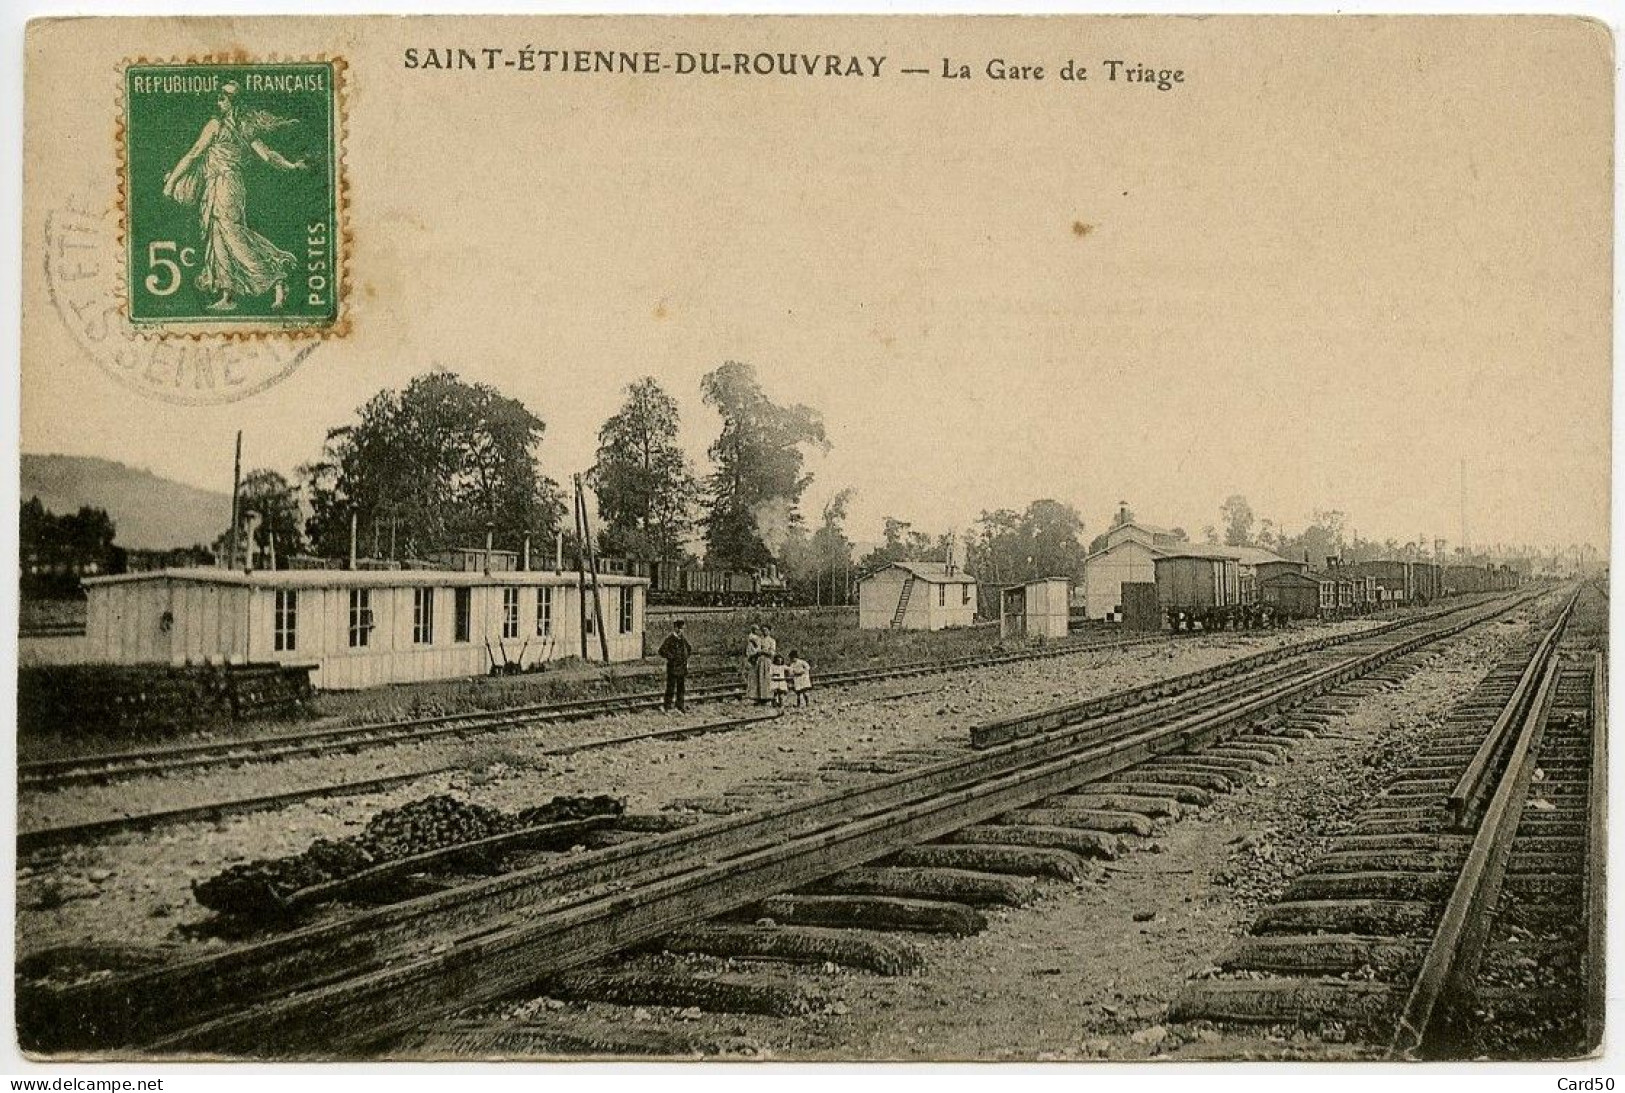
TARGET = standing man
x,y
676,650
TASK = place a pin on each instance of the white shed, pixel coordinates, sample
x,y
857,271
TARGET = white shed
x,y
916,596
1036,609
360,628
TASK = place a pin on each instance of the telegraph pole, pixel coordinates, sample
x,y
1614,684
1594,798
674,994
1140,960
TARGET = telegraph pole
x,y
236,487
592,569
1465,546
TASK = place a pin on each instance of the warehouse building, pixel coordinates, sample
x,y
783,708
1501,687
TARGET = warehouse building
x,y
1128,556
360,628
916,596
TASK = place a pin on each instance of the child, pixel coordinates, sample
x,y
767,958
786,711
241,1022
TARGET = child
x,y
801,678
780,677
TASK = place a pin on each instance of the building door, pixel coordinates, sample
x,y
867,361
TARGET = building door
x,y
1013,623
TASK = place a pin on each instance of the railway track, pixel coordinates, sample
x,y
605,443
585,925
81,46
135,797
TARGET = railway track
x,y
1462,916
31,840
48,774
870,852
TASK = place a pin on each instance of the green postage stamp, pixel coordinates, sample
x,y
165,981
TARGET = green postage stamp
x,y
232,197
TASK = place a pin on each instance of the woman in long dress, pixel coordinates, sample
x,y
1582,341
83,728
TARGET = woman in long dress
x,y
237,260
764,665
754,691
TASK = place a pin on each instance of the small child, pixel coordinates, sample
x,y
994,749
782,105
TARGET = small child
x,y
801,678
780,677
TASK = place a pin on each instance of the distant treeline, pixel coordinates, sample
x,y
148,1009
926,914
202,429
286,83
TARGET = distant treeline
x,y
55,551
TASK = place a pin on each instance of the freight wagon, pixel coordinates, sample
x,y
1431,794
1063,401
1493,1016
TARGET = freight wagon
x,y
1198,589
672,584
1293,595
1395,582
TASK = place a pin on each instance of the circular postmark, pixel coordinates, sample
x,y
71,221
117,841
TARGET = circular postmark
x,y
84,260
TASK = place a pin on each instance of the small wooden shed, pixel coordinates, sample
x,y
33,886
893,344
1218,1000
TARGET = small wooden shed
x,y
1036,609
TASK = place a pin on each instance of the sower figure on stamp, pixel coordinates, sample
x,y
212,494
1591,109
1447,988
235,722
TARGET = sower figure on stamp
x,y
676,650
237,260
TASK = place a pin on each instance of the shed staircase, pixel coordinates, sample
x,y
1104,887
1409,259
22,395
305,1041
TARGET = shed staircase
x,y
902,603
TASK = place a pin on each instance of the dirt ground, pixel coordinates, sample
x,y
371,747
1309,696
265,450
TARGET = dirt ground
x,y
1088,971
137,886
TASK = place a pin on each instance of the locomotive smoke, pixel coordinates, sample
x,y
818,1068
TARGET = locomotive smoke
x,y
773,523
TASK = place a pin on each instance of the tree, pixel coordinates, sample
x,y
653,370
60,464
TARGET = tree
x,y
1238,520
819,565
832,550
1054,533
55,550
275,501
438,460
759,458
996,551
1045,540
899,543
646,491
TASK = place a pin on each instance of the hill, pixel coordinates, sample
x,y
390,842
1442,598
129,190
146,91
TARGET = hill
x,y
150,512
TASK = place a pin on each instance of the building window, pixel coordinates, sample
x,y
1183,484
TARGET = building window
x,y
510,612
544,612
423,616
591,603
287,620
360,618
462,609
964,594
942,595
626,610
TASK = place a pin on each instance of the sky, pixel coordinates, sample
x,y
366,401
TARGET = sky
x,y
1343,266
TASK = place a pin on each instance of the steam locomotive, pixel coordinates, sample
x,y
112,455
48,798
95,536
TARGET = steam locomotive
x,y
672,584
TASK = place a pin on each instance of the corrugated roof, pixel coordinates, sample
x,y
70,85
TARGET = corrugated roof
x,y
361,578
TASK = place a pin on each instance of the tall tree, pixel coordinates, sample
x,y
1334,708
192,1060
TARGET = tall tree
x,y
818,565
646,491
1238,520
759,460
1054,533
832,549
900,543
1045,540
438,460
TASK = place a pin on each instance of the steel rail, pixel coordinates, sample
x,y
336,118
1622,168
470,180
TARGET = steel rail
x,y
1464,921
31,840
509,956
1596,881
572,895
1140,698
52,773
1480,773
